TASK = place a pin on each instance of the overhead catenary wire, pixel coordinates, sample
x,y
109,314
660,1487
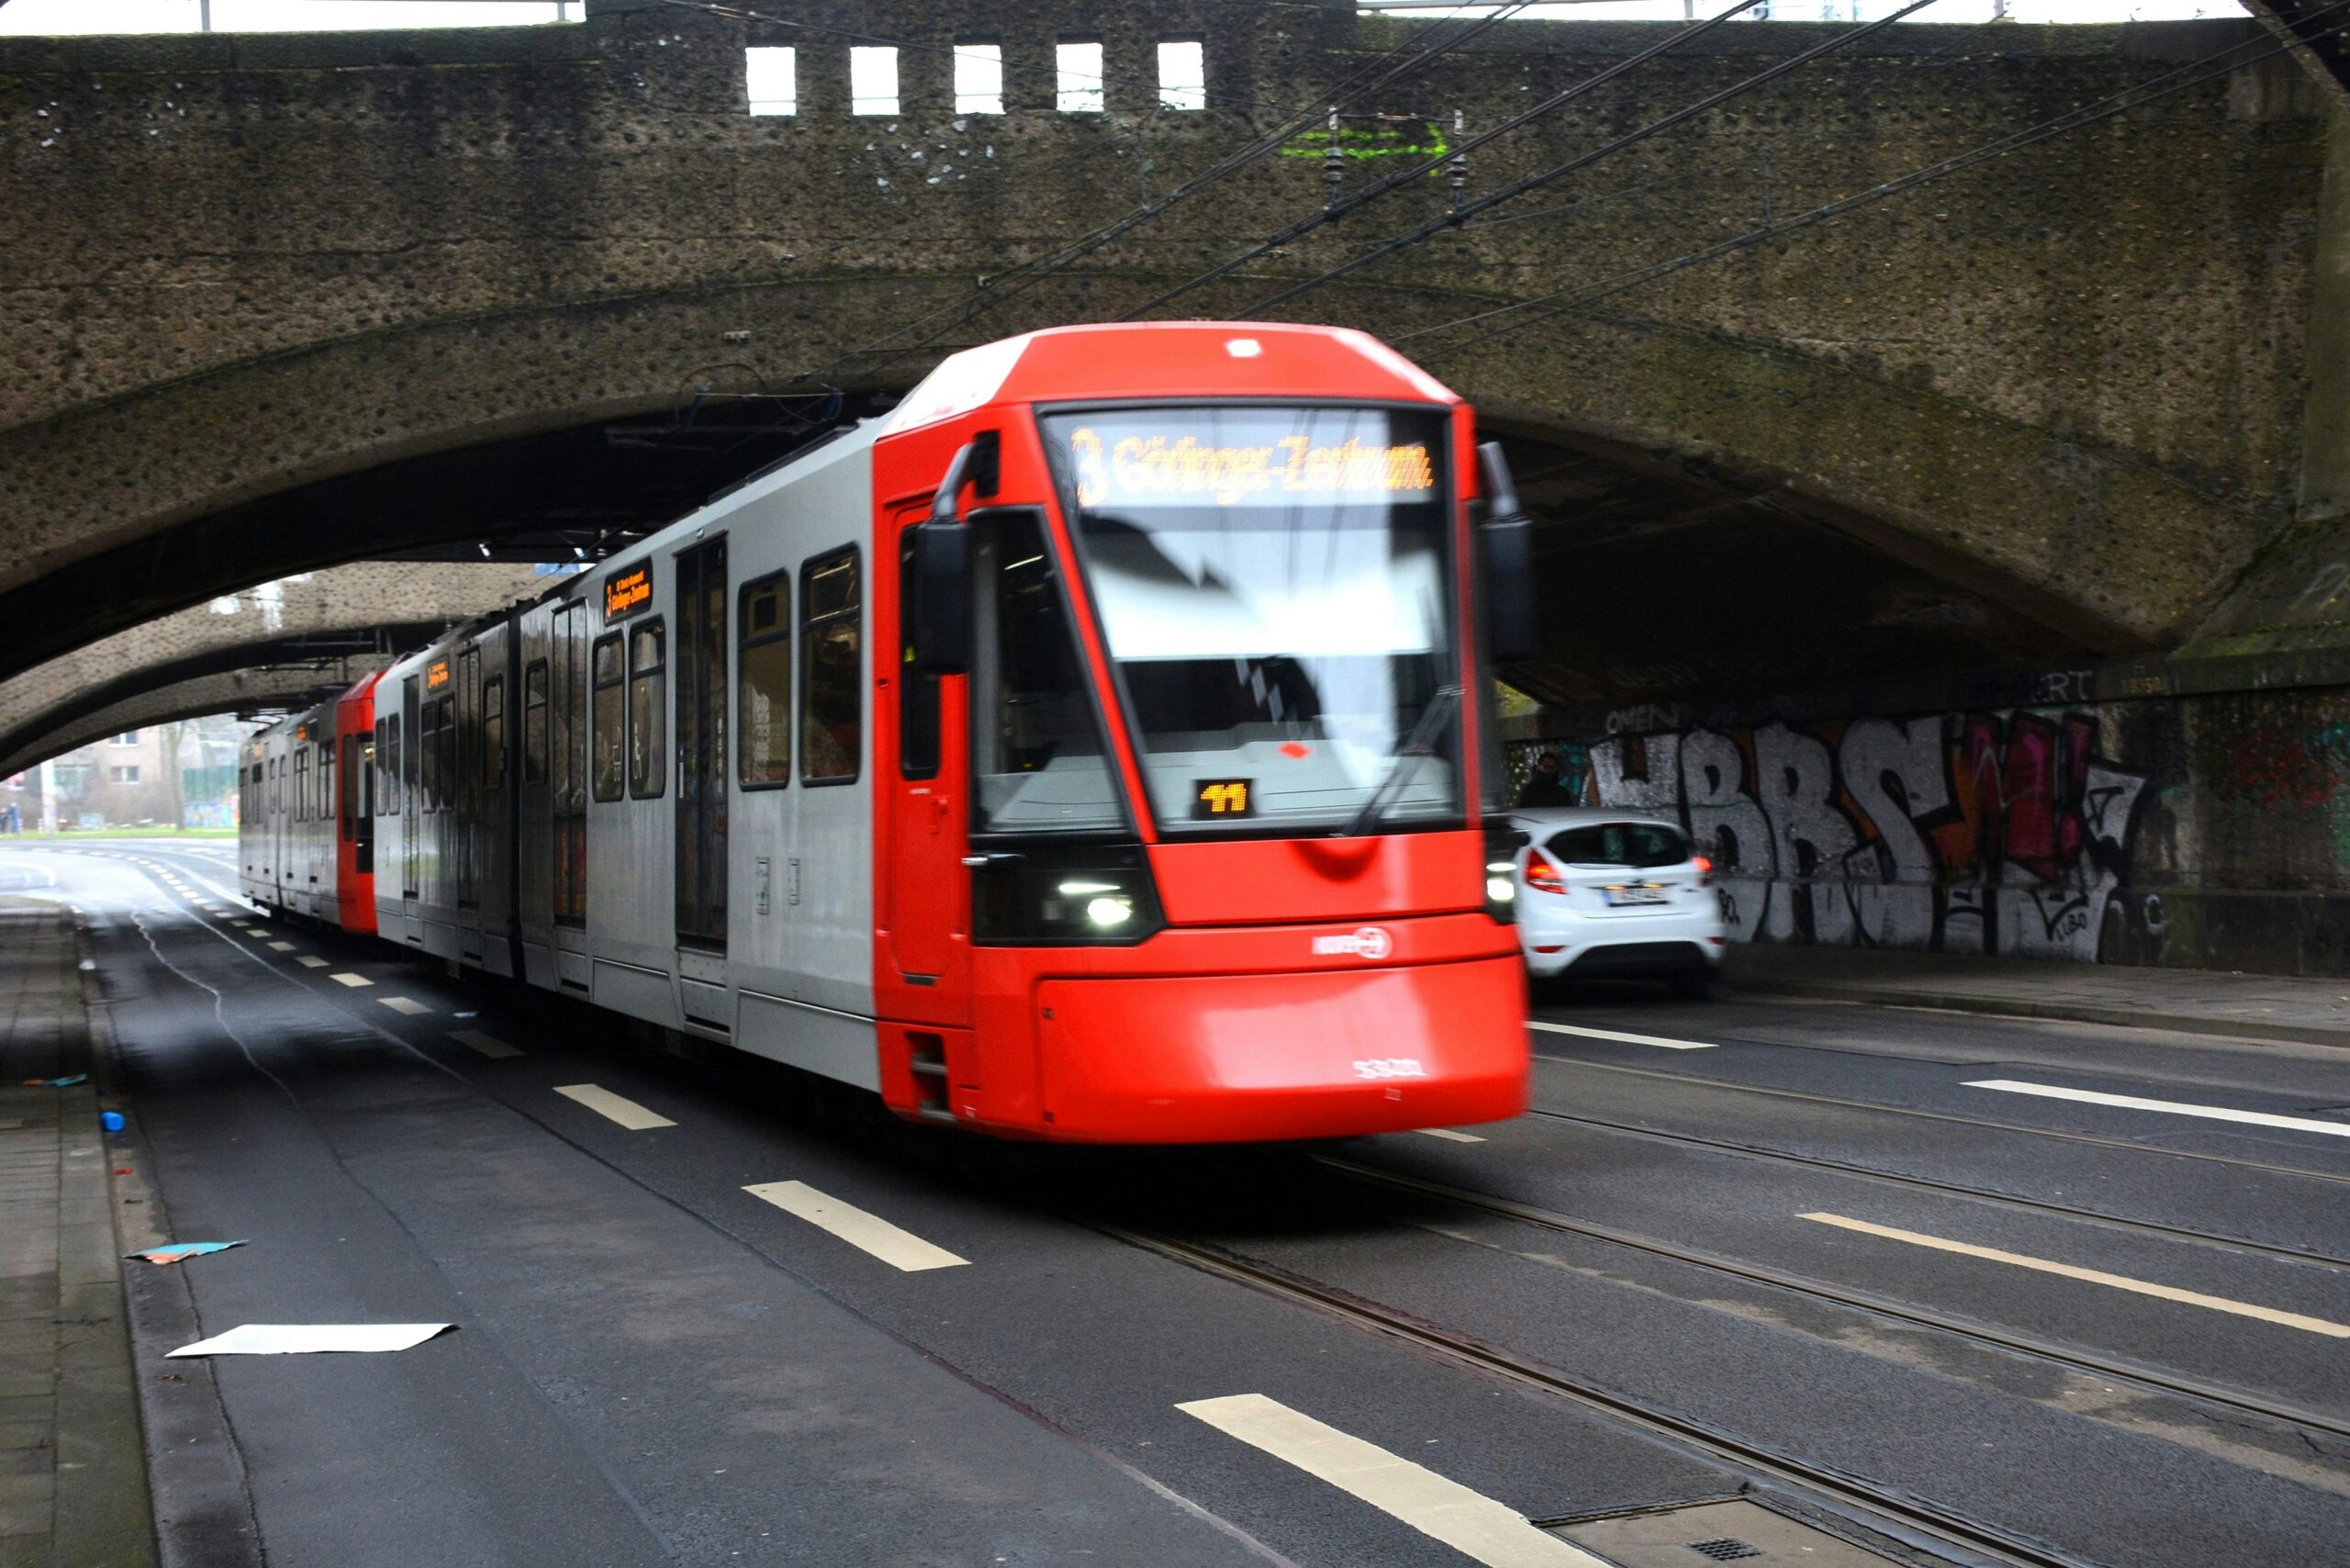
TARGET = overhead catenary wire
x,y
1397,181
1519,188
2177,80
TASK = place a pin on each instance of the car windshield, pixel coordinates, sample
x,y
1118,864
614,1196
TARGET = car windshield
x,y
1637,845
1274,586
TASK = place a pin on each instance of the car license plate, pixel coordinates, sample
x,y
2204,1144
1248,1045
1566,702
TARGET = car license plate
x,y
1636,892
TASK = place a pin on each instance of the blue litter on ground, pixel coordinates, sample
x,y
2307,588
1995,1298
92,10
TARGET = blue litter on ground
x,y
173,1251
111,1120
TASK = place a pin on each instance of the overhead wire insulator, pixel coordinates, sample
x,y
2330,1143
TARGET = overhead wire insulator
x,y
1456,171
1333,164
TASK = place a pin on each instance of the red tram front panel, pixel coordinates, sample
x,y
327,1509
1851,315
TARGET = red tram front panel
x,y
354,802
1192,850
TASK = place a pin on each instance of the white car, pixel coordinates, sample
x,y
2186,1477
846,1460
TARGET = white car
x,y
1611,895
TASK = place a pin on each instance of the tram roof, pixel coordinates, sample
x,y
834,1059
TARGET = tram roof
x,y
1168,359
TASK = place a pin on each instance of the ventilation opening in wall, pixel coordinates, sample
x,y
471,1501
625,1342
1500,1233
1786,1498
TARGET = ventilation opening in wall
x,y
1077,65
1182,75
771,77
978,77
872,80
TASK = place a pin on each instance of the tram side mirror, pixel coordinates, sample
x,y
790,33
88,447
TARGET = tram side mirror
x,y
1505,564
936,561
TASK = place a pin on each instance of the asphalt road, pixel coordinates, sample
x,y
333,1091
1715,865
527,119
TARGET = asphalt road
x,y
1880,1270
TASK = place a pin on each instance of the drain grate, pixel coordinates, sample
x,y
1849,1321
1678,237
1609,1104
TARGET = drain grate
x,y
1724,1549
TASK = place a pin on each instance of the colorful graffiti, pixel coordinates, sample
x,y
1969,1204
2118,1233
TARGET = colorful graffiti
x,y
1999,833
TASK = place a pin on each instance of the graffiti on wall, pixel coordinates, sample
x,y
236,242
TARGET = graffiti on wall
x,y
1986,833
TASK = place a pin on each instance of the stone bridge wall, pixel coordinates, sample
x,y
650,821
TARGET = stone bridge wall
x,y
237,265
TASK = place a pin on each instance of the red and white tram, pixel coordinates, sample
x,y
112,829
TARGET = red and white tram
x,y
1080,752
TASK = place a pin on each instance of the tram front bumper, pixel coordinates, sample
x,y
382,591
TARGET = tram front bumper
x,y
1230,1058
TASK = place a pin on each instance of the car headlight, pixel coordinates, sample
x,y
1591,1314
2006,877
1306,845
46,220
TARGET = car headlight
x,y
1503,841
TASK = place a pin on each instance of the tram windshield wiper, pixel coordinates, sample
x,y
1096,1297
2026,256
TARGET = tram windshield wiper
x,y
1420,743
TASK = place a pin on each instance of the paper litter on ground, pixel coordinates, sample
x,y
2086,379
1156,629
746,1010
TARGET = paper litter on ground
x,y
173,1251
57,1083
308,1339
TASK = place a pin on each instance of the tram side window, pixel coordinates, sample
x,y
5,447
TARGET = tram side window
x,y
448,734
648,752
832,714
428,747
388,757
328,794
610,740
493,731
534,722
763,667
917,690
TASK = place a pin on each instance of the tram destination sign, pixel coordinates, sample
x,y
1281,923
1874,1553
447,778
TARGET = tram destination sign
x,y
1247,457
627,592
436,675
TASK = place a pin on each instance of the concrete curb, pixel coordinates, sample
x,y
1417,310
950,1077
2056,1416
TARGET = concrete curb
x,y
2072,1012
203,1514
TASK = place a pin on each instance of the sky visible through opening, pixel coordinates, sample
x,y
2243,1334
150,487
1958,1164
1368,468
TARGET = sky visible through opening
x,y
63,16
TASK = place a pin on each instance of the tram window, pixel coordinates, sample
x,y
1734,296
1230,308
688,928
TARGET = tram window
x,y
493,731
534,722
328,794
1076,64
428,745
764,684
978,77
648,751
1182,75
1036,752
917,688
832,714
872,80
302,785
771,79
393,793
611,739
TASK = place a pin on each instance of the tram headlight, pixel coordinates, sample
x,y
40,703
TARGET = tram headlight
x,y
1045,894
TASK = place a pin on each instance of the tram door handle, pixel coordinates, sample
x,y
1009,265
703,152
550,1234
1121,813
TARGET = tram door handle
x,y
761,882
792,881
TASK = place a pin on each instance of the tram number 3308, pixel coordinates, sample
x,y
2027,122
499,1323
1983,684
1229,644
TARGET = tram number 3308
x,y
1391,1066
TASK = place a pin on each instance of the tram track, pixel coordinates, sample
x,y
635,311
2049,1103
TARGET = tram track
x,y
2071,1357
1952,1189
2093,1139
1889,1512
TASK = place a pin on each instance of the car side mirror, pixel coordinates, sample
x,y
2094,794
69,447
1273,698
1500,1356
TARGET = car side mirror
x,y
1505,565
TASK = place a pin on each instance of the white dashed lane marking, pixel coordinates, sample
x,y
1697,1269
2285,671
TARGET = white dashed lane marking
x,y
2172,1108
408,1006
490,1045
1469,1522
310,962
899,1248
612,1107
2093,1276
1613,1035
282,947
1448,1136
350,980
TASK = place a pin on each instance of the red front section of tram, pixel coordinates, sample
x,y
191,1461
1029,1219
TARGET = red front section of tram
x,y
355,797
1317,983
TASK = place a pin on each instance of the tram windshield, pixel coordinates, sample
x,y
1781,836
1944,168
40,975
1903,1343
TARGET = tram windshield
x,y
1275,589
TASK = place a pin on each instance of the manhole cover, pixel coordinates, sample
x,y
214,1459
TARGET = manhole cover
x,y
1716,1533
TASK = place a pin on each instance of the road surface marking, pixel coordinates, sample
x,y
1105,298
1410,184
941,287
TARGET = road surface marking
x,y
310,962
282,947
2176,1107
488,1044
1448,1134
2094,1276
1469,1522
352,979
604,1103
1612,1034
407,1007
899,1248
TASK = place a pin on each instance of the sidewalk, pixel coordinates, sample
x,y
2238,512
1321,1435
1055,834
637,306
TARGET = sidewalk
x,y
73,1465
2202,1001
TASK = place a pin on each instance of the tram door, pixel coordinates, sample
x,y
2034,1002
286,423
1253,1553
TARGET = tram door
x,y
412,744
700,662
